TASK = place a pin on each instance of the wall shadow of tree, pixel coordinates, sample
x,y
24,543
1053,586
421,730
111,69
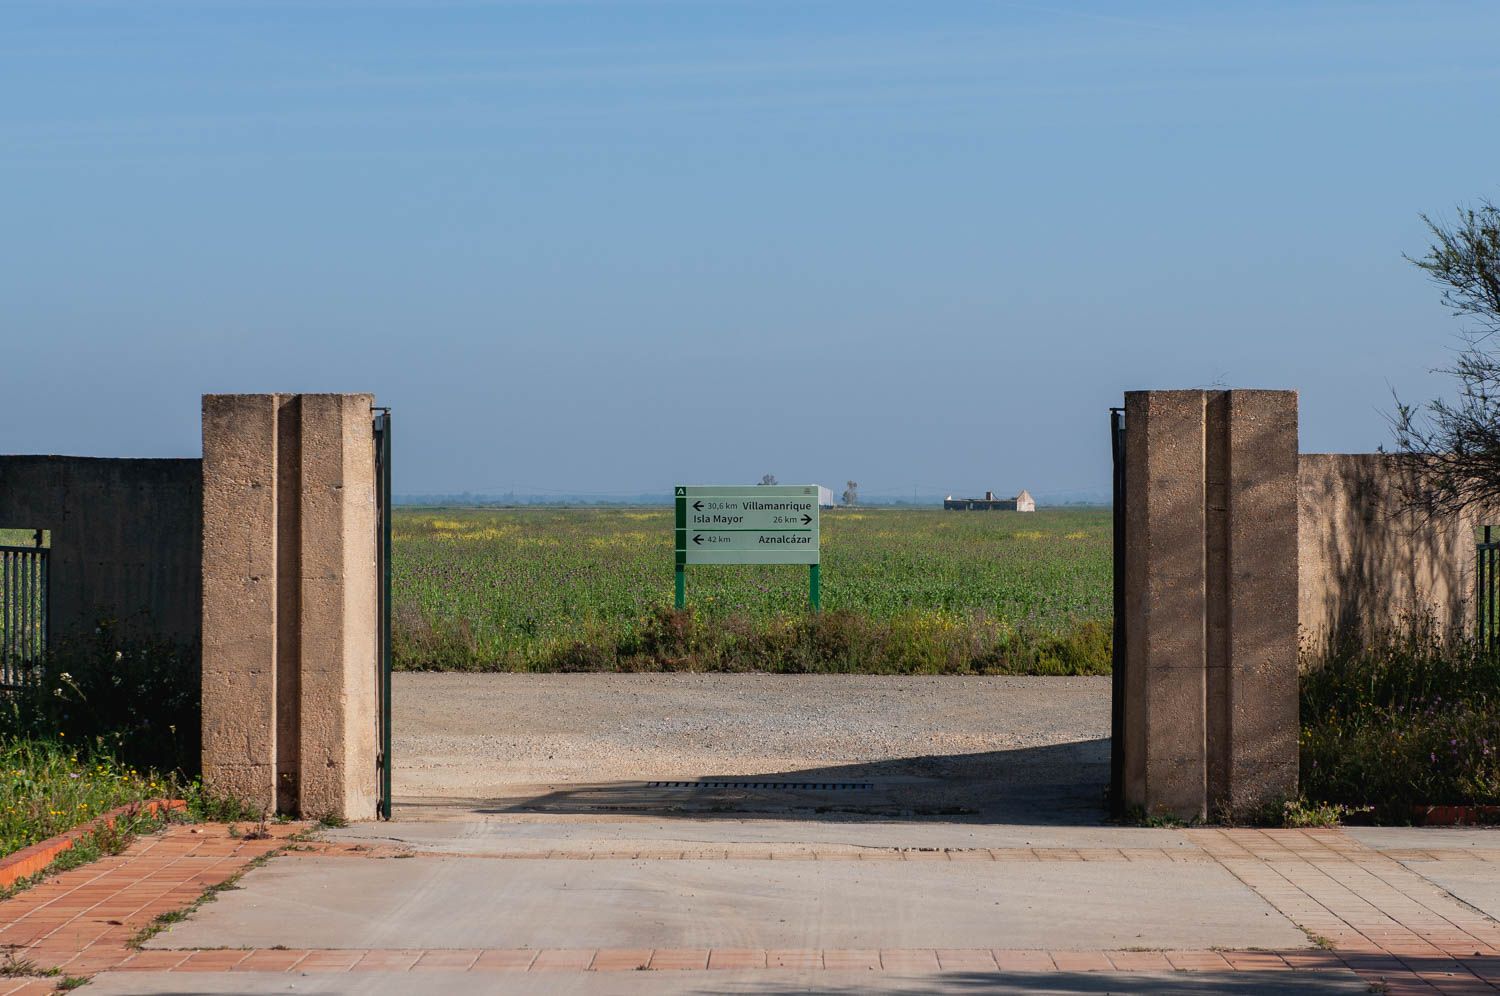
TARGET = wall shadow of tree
x,y
1367,561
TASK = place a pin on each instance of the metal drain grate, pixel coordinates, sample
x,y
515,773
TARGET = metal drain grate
x,y
779,786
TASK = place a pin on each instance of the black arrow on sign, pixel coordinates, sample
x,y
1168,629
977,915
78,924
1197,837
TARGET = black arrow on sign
x,y
806,518
698,505
698,538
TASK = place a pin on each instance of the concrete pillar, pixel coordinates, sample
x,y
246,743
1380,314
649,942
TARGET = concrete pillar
x,y
1210,600
239,596
1165,601
1262,721
289,602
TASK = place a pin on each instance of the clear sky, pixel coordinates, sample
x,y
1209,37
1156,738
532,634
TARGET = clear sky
x,y
610,246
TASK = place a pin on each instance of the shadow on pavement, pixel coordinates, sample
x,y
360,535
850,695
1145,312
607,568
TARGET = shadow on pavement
x,y
1068,983
763,982
1056,784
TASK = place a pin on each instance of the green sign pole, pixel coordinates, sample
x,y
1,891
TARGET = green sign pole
x,y
680,532
815,586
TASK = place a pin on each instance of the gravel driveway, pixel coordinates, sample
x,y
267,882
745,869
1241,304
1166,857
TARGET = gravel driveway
x,y
984,747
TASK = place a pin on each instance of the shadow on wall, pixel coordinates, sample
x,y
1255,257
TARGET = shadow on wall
x,y
126,542
1365,562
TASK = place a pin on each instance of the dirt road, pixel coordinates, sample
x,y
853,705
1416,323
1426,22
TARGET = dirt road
x,y
595,742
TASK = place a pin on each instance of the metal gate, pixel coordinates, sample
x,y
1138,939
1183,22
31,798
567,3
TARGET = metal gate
x,y
382,428
23,609
1117,664
1487,609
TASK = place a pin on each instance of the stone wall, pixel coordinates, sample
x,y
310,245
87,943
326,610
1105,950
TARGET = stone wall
x,y
1365,563
126,541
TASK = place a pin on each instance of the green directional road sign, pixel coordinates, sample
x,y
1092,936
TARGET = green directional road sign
x,y
749,524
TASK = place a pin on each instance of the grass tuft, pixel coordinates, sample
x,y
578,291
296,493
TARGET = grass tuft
x,y
13,966
49,787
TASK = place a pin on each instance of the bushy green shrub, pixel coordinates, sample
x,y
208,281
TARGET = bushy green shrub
x,y
136,702
1410,718
835,642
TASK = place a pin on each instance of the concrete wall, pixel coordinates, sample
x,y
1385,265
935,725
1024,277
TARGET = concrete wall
x,y
1364,562
1210,600
125,540
289,602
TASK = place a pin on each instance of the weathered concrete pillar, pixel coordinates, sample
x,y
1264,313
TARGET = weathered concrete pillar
x,y
1210,600
1261,719
239,596
289,602
1165,602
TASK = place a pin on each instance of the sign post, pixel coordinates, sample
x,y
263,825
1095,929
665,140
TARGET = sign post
x,y
749,524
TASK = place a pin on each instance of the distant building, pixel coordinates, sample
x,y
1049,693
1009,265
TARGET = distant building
x,y
1022,502
825,496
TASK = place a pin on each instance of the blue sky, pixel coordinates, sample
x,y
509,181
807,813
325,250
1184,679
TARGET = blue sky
x,y
609,246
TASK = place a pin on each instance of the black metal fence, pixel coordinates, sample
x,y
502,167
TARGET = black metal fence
x,y
1486,602
23,610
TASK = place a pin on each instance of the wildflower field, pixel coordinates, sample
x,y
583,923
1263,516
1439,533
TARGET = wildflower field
x,y
904,590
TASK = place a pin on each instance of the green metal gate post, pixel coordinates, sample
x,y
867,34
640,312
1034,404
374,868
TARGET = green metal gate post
x,y
1117,438
383,498
1486,578
679,525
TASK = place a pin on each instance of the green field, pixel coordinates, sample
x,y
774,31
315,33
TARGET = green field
x,y
903,591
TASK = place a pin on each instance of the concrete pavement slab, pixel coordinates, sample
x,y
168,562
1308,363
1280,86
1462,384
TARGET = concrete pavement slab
x,y
333,902
1427,838
1475,882
763,982
470,832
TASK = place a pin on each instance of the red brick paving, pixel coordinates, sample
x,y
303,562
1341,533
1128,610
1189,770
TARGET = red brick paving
x,y
80,920
563,960
452,960
502,960
622,960
1081,961
801,958
212,961
326,961
737,958
271,960
909,960
1198,961
30,860
679,958
1139,961
859,960
1024,961
386,961
965,960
